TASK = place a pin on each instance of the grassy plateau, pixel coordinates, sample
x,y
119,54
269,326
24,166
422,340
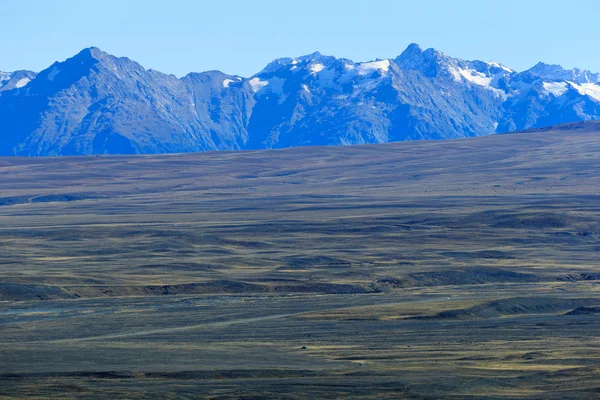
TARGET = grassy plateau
x,y
453,269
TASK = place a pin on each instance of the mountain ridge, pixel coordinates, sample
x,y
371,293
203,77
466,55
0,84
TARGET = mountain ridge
x,y
96,103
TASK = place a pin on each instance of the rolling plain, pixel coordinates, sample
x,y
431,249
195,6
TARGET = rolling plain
x,y
420,270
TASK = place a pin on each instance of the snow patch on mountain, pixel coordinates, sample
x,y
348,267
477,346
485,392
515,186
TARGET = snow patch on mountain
x,y
316,68
587,89
475,77
22,82
556,89
348,65
369,67
500,66
257,84
455,73
228,81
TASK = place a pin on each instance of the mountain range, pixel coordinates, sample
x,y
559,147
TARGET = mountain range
x,y
96,103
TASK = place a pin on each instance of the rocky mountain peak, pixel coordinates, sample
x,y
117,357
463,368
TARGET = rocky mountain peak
x,y
95,102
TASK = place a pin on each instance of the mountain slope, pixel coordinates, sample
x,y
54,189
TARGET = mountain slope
x,y
97,103
223,103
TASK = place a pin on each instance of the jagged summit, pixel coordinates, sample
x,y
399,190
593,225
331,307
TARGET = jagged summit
x,y
95,102
557,73
297,62
90,53
413,48
93,52
410,56
430,62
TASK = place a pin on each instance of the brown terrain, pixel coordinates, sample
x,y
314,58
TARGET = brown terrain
x,y
453,269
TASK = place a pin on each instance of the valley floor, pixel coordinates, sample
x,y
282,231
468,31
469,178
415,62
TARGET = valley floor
x,y
457,269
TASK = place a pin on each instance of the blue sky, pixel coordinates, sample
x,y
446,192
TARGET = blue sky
x,y
241,37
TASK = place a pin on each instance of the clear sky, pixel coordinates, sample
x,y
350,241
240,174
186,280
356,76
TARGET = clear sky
x,y
242,36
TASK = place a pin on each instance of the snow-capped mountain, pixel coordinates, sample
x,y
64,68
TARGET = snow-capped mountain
x,y
98,103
